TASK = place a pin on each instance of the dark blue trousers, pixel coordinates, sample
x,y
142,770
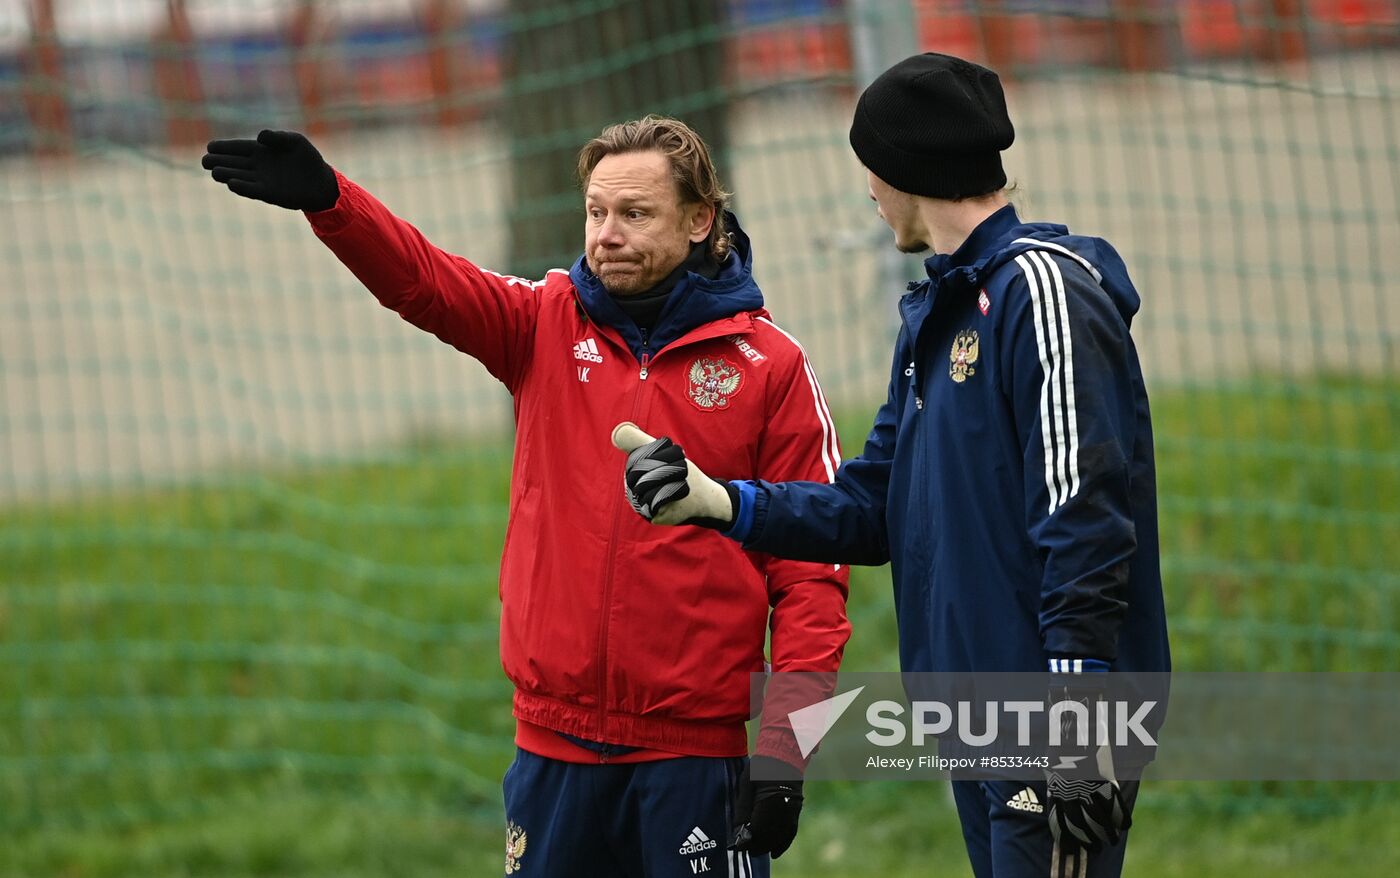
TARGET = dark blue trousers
x,y
643,820
1008,838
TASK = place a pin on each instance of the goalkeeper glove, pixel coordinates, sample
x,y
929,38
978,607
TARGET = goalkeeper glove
x,y
665,488
766,811
280,167
1086,808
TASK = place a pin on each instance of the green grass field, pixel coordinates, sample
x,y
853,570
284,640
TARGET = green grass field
x,y
295,673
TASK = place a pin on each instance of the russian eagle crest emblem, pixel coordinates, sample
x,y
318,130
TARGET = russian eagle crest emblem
x,y
963,356
713,380
515,847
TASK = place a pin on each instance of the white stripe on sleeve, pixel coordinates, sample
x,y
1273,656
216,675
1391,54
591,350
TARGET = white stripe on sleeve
x,y
831,449
1051,245
1052,486
1071,417
831,455
1054,335
1059,419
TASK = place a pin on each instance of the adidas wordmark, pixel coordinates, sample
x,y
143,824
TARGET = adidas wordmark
x,y
697,842
1025,800
587,350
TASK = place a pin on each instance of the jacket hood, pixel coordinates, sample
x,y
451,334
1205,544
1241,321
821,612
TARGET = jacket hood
x,y
1002,237
695,301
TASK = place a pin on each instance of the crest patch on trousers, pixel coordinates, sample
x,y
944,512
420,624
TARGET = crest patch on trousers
x,y
515,847
713,382
963,356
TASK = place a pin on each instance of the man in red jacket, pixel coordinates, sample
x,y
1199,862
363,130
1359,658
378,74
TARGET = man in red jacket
x,y
630,647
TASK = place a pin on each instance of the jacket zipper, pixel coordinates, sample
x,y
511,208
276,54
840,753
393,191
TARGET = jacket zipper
x,y
612,555
608,579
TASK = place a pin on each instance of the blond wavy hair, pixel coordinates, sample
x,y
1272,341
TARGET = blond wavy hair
x,y
692,169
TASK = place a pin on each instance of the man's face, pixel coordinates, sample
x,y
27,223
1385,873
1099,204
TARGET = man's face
x,y
898,211
637,230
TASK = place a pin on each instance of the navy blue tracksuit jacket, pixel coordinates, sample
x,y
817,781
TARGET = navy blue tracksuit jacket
x,y
1009,476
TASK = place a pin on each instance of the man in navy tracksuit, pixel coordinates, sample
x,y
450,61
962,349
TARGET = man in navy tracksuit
x,y
1008,477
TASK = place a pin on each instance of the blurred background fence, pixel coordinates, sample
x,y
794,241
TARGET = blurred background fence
x,y
249,523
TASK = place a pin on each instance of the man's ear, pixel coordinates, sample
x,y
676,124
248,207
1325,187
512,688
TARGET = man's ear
x,y
702,219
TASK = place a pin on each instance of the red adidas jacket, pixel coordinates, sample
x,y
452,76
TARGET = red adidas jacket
x,y
614,630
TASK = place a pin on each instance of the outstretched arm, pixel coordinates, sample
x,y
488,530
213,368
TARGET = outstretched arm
x,y
479,312
842,522
838,523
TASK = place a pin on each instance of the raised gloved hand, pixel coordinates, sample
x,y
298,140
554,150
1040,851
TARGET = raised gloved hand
x,y
280,167
1085,802
665,488
766,811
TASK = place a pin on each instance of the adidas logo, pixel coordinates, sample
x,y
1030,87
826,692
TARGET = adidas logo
x,y
587,350
697,842
1025,800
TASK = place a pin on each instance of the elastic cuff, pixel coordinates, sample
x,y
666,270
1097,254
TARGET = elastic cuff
x,y
779,745
743,515
1077,665
775,768
339,215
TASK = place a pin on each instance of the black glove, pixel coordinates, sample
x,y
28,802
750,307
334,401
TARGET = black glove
x,y
655,475
280,167
658,477
1086,808
766,812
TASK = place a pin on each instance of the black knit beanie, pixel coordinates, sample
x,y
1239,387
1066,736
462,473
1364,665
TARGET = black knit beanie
x,y
934,125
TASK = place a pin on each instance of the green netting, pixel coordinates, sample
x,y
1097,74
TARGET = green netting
x,y
250,522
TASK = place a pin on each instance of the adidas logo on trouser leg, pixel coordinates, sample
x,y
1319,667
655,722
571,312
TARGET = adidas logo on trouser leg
x,y
1026,800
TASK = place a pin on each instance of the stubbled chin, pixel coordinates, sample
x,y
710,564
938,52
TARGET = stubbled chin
x,y
620,283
